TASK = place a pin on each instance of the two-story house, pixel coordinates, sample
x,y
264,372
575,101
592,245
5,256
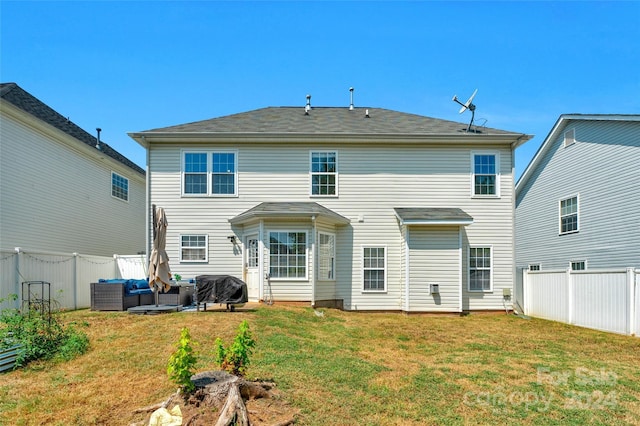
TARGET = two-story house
x,y
363,208
578,201
61,189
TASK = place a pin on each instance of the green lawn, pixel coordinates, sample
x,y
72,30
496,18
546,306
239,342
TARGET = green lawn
x,y
347,368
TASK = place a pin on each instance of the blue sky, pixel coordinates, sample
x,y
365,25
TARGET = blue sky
x,y
132,66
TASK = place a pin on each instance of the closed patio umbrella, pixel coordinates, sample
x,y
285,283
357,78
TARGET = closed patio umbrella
x,y
159,272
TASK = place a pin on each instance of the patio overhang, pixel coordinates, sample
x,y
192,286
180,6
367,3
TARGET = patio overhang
x,y
427,216
293,210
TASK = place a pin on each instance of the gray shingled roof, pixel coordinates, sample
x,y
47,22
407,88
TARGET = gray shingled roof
x,y
289,210
434,216
22,99
325,120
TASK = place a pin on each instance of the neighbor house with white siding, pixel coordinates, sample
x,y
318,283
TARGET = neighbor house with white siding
x,y
578,201
60,190
359,208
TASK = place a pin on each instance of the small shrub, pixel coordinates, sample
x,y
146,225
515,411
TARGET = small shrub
x,y
182,363
235,359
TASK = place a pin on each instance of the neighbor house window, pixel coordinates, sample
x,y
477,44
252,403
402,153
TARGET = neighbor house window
x,y
193,248
480,262
569,215
374,268
578,265
326,256
534,266
119,186
324,172
209,173
288,254
485,174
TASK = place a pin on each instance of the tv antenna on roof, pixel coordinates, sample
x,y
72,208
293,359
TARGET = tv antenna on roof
x,y
467,106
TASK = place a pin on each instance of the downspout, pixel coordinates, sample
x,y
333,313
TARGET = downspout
x,y
513,226
313,262
407,269
147,202
460,268
261,260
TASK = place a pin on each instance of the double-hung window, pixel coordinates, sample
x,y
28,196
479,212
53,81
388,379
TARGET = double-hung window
x,y
324,173
210,173
193,248
569,215
578,265
288,254
485,177
480,261
374,268
119,186
326,256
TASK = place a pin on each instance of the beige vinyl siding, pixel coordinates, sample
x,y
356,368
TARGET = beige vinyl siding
x,y
434,257
373,179
56,193
602,167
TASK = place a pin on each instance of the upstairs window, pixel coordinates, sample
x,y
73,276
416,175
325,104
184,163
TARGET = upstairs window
x,y
485,174
569,215
119,186
324,172
209,173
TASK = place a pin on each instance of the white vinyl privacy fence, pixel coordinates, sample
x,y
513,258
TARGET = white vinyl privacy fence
x,y
607,300
69,275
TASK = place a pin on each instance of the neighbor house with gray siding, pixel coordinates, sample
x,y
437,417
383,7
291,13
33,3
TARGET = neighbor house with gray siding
x,y
60,190
362,208
578,201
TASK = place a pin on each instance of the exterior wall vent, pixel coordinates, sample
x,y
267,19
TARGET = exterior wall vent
x,y
569,137
434,288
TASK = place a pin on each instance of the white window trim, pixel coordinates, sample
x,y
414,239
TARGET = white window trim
x,y
571,262
569,138
306,255
209,153
577,197
333,269
206,248
496,154
336,174
128,186
386,270
489,246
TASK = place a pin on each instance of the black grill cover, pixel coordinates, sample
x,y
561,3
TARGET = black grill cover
x,y
221,289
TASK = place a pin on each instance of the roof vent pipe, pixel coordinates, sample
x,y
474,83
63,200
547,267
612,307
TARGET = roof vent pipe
x,y
351,96
366,113
307,107
98,129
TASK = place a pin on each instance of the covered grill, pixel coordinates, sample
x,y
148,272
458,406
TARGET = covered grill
x,y
222,289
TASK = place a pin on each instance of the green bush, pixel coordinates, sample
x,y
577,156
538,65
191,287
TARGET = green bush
x,y
182,363
235,359
40,336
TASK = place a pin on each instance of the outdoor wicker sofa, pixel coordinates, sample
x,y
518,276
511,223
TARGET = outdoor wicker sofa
x,y
120,294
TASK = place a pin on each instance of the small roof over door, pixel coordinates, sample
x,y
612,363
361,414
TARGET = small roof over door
x,y
432,216
289,210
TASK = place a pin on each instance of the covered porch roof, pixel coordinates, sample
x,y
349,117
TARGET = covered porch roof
x,y
289,210
432,216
